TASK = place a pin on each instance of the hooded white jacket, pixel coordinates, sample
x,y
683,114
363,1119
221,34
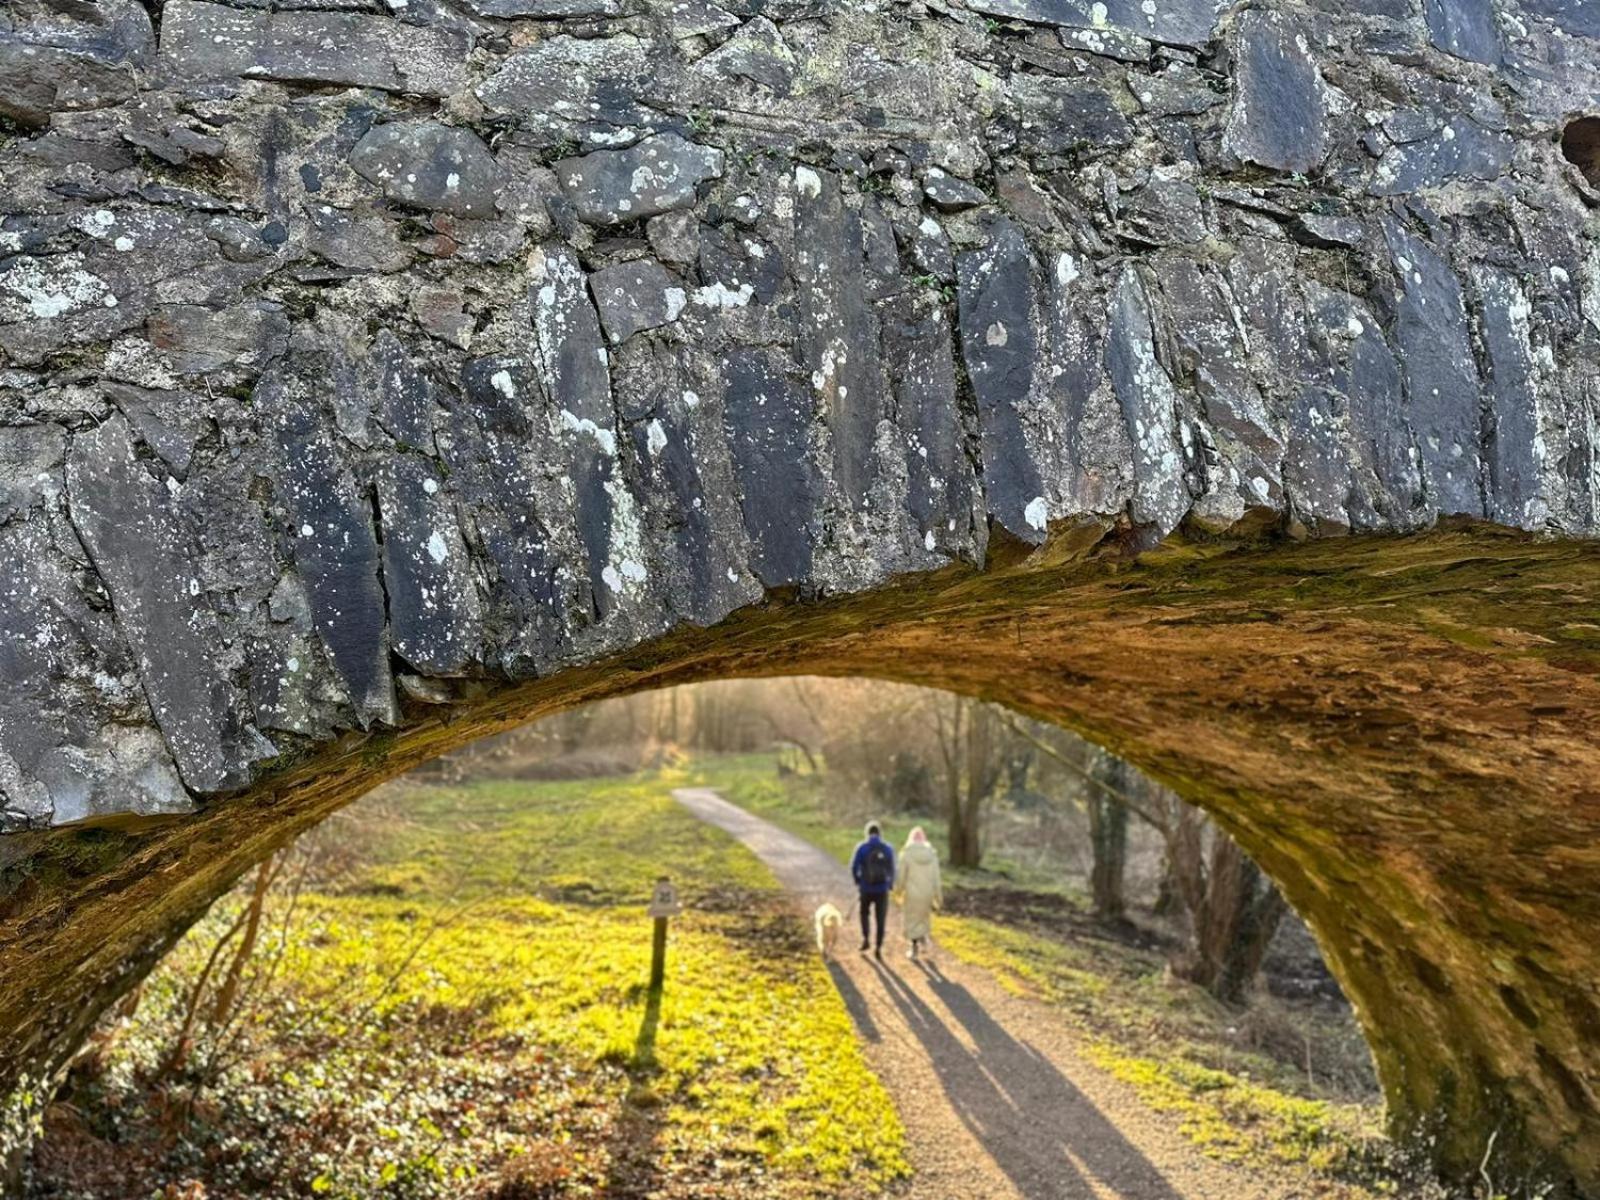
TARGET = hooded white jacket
x,y
918,887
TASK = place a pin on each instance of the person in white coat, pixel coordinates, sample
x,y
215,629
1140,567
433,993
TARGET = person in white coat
x,y
918,889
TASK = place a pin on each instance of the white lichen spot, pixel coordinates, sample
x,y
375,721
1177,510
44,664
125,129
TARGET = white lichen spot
x,y
655,438
123,244
604,438
995,335
1066,269
719,295
1354,327
502,383
928,542
691,399
807,182
677,300
306,531
438,550
1037,514
430,486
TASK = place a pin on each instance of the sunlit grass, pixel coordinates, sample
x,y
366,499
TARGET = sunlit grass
x,y
512,915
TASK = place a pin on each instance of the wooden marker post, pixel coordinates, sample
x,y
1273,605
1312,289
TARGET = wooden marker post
x,y
663,904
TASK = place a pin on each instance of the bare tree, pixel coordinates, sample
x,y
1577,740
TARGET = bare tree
x,y
969,745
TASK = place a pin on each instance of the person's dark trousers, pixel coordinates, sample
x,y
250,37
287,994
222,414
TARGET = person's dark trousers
x,y
869,905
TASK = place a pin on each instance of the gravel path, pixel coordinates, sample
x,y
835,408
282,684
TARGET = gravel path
x,y
996,1102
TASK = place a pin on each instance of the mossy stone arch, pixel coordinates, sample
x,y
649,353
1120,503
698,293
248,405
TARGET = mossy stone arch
x,y
1216,380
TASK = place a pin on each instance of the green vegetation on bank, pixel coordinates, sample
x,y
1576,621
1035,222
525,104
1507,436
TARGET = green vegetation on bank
x,y
461,1009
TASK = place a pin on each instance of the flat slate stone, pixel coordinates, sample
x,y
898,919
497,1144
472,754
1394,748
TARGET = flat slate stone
x,y
837,345
407,405
1280,106
544,10
565,85
949,194
574,367
1581,17
197,340
767,417
141,551
432,166
1464,28
634,296
202,41
1149,408
1176,22
76,738
336,553
1516,446
756,52
996,292
1363,379
1459,149
1057,116
941,486
1440,372
31,458
659,174
427,574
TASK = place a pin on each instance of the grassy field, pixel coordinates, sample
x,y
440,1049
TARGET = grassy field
x,y
449,999
1278,1082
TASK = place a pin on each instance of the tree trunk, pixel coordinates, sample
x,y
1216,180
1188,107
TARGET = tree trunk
x,y
1108,837
1234,922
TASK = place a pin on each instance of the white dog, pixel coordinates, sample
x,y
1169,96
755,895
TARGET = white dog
x,y
828,921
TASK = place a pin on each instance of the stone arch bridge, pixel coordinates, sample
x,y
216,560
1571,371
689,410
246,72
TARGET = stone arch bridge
x,y
1219,380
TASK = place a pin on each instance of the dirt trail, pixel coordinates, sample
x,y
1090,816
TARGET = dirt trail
x,y
996,1101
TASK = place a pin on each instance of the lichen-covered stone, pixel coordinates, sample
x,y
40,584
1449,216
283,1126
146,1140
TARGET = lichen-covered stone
x,y
1442,393
634,296
660,174
1179,22
427,574
432,166
203,41
139,549
1465,28
1279,113
756,53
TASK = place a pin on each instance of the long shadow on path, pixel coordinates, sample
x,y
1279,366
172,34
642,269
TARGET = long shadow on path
x,y
1041,1131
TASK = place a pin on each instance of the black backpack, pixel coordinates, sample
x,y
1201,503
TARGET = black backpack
x,y
875,869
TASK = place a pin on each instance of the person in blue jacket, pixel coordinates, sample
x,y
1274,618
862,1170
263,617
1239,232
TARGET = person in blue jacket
x,y
873,868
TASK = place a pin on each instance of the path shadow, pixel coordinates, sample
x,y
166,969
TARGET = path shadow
x,y
1045,1135
854,1002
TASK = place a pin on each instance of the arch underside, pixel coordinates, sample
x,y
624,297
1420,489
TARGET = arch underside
x,y
1399,730
372,381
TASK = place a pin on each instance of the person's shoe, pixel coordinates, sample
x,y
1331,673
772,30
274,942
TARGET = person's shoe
x,y
878,954
912,953
865,947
